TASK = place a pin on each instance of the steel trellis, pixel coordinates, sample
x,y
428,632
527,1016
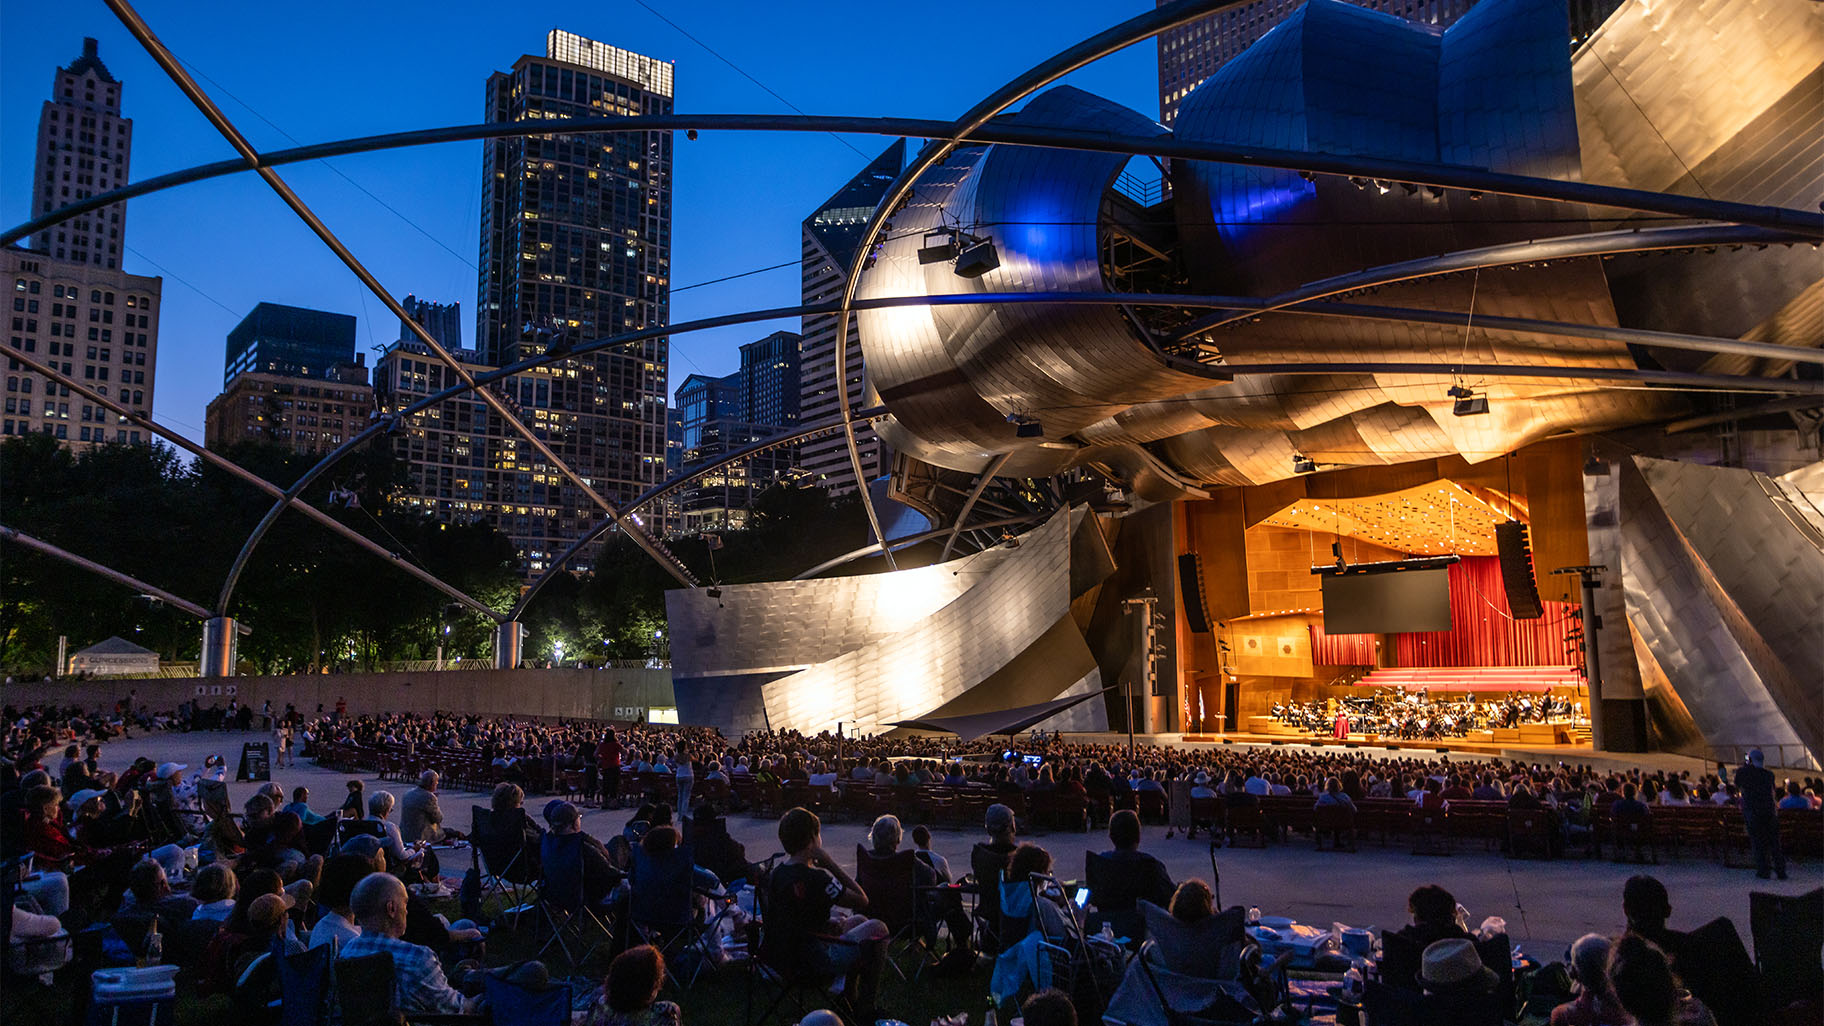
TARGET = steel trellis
x,y
1796,225
166,60
64,555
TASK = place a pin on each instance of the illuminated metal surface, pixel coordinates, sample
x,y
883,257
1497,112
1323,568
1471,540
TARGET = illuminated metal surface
x,y
872,649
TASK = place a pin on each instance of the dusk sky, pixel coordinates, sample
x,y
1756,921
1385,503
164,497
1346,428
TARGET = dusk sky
x,y
309,73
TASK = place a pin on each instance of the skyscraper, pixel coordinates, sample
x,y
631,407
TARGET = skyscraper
x,y
83,150
442,320
702,401
830,237
289,341
770,381
576,244
73,305
1191,53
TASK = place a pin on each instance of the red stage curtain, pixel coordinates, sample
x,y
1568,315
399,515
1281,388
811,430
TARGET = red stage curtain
x,y
1341,649
1482,630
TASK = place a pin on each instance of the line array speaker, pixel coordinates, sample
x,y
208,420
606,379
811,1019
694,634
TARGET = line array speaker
x,y
1190,583
1517,571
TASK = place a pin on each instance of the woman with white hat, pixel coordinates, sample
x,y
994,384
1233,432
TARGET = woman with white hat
x,y
1458,987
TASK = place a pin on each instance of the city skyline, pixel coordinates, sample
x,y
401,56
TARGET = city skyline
x,y
227,245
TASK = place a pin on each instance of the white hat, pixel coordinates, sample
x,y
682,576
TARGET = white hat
x,y
81,798
165,769
1454,965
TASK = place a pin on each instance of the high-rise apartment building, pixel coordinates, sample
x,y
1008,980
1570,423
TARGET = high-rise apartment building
x,y
94,324
702,401
453,455
770,381
1191,53
442,320
576,244
291,342
305,415
83,150
830,237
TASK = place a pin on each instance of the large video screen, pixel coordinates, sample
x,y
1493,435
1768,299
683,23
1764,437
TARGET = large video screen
x,y
1408,600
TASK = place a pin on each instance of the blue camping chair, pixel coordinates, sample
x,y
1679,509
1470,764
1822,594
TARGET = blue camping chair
x,y
561,902
304,980
661,907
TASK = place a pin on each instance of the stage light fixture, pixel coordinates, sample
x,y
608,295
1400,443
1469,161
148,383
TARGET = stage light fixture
x,y
1434,192
1303,464
1470,407
1382,186
939,247
977,259
1411,189
1358,182
1594,467
1475,194
1307,176
714,592
1025,427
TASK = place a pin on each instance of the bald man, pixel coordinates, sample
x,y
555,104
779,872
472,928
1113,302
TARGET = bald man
x,y
378,904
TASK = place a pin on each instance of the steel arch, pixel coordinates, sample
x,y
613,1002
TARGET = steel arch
x,y
100,570
973,125
1442,176
168,61
1668,340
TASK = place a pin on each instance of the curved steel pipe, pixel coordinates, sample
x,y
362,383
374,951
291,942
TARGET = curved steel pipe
x,y
962,515
1133,30
1442,176
664,488
911,540
286,498
1671,379
101,570
1695,342
168,61
1562,247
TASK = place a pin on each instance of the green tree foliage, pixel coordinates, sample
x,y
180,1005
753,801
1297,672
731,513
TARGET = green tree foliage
x,y
316,601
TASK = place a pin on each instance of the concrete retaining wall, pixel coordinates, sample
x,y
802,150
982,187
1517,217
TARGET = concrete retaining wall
x,y
620,694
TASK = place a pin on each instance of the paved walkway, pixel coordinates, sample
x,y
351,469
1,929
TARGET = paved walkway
x,y
1546,904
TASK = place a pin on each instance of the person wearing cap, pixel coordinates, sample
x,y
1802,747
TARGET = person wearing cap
x,y
599,874
1595,1003
1458,988
379,906
161,797
1760,817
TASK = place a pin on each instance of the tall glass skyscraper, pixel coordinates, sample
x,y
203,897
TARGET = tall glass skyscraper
x,y
576,245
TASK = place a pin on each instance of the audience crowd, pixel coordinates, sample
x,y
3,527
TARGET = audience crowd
x,y
154,855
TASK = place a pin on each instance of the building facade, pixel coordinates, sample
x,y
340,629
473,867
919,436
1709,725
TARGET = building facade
x,y
96,324
829,238
703,401
576,244
452,455
83,150
442,320
305,415
289,341
770,380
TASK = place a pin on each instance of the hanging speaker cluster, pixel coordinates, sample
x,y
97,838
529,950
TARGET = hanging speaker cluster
x,y
1517,571
1190,584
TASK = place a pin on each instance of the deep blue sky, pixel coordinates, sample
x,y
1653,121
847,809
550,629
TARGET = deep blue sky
x,y
336,69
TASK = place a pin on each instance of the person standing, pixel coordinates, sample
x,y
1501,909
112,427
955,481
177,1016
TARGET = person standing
x,y
608,762
1759,816
686,776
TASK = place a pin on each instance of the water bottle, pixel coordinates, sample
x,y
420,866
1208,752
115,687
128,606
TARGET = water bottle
x,y
155,947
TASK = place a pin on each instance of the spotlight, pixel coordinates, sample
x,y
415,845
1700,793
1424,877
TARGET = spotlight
x,y
940,251
1411,189
1434,192
1475,194
1025,427
714,592
1593,467
1008,541
691,134
1358,182
1382,186
1458,392
978,259
1471,406
1307,176
1303,464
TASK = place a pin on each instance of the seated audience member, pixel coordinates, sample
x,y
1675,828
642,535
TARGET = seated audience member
x,y
1434,916
1334,795
1049,1007
1629,804
511,821
418,864
378,904
214,889
1795,797
935,906
420,817
1647,906
300,806
1029,860
988,864
1595,1003
337,925
1641,977
1128,875
921,843
1193,902
1458,988
803,936
599,873
630,992
354,804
